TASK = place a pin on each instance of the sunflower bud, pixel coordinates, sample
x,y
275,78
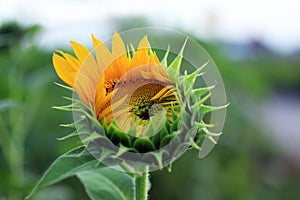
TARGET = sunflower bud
x,y
131,107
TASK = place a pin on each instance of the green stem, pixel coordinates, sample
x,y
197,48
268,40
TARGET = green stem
x,y
141,186
128,171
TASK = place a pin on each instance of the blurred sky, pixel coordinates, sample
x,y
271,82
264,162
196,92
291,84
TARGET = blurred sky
x,y
277,23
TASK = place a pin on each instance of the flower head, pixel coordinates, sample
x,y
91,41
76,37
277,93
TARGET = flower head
x,y
112,75
135,108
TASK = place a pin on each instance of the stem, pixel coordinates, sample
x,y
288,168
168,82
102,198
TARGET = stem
x,y
141,186
128,171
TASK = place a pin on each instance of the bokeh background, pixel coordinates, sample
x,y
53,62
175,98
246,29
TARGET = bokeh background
x,y
255,44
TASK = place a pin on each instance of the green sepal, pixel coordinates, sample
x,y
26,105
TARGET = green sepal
x,y
202,125
201,101
164,61
143,145
209,133
174,68
91,137
158,137
202,91
73,134
204,109
117,136
123,149
158,157
64,86
167,139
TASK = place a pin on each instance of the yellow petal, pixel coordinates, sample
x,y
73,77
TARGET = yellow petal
x,y
72,61
90,69
80,51
88,65
63,69
118,47
140,58
96,42
103,54
144,43
84,88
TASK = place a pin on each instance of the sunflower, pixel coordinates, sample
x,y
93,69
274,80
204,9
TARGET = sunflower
x,y
132,107
128,87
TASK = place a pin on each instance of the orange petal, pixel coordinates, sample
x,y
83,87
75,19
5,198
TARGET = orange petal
x,y
120,66
100,95
140,58
154,59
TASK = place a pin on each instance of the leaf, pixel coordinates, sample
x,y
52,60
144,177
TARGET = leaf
x,y
107,184
65,166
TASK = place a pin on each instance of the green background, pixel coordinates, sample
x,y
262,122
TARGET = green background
x,y
248,163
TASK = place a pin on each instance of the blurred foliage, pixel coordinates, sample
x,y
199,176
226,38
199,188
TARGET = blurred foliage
x,y
28,125
246,164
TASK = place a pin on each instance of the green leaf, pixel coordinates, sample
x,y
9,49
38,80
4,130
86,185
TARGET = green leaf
x,y
107,184
69,164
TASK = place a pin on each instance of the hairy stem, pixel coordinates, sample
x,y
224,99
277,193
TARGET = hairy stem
x,y
141,186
